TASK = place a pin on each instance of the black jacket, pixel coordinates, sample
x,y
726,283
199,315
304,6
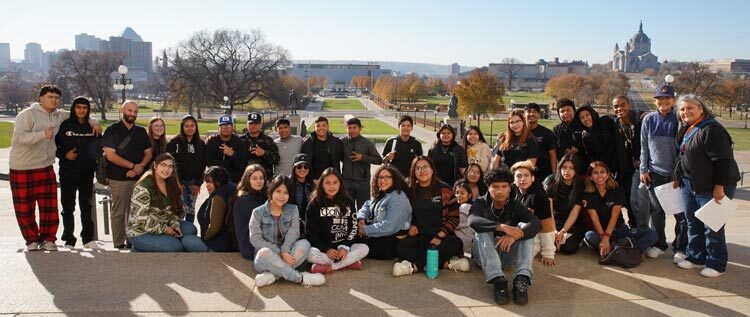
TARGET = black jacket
x,y
448,161
709,156
625,160
79,136
598,141
568,136
241,212
190,157
405,153
483,219
335,151
224,240
234,164
269,159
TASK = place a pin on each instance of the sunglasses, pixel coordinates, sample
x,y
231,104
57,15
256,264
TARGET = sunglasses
x,y
302,166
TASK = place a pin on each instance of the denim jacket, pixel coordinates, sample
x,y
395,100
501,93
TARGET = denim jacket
x,y
263,228
386,216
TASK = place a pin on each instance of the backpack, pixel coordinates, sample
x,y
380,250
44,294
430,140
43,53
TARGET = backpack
x,y
101,165
623,254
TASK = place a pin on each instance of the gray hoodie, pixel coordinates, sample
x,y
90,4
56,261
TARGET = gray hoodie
x,y
30,149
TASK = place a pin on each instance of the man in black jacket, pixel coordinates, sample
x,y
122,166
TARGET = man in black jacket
x,y
568,132
227,150
323,149
628,153
505,232
260,148
403,148
77,152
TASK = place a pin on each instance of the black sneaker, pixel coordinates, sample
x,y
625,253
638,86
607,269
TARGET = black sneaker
x,y
521,289
501,292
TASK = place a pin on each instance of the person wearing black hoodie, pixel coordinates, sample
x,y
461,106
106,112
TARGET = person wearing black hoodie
x,y
568,132
189,152
227,150
77,147
628,146
449,157
251,193
597,136
323,149
215,215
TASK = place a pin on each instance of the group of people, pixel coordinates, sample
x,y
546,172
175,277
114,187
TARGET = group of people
x,y
290,200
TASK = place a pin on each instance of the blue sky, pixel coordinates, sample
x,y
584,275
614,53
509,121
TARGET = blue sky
x,y
472,33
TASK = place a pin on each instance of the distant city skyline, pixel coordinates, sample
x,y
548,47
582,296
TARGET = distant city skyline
x,y
439,32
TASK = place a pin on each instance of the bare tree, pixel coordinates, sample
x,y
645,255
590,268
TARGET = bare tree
x,y
228,63
697,79
15,92
90,72
511,67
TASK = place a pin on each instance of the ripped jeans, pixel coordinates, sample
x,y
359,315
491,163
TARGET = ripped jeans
x,y
268,261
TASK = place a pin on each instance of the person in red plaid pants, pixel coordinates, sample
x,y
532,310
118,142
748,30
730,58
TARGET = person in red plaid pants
x,y
32,178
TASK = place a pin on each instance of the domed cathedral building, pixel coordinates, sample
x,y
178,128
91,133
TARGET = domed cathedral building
x,y
637,55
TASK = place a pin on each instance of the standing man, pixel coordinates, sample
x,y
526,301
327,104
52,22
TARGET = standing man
x,y
77,146
128,150
289,145
323,149
403,148
361,153
260,148
32,177
568,133
628,153
547,160
227,150
658,155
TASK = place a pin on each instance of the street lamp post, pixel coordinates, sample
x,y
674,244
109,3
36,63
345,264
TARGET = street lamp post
x,y
123,83
226,105
492,120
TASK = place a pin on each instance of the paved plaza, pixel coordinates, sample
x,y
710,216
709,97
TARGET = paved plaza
x,y
114,283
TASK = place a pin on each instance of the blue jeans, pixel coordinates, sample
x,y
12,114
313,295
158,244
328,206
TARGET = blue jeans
x,y
650,211
268,261
149,242
492,260
642,239
704,246
188,200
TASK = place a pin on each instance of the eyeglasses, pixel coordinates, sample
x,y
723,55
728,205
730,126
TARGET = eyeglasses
x,y
165,165
425,168
385,177
302,166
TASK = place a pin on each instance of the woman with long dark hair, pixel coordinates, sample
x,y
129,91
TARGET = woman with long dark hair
x,y
384,219
597,137
251,193
435,217
477,150
332,227
157,135
564,190
516,144
154,223
448,155
475,179
215,215
189,152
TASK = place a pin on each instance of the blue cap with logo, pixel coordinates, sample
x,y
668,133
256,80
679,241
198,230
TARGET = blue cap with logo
x,y
225,119
664,90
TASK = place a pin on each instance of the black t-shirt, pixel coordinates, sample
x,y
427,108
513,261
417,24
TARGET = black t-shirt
x,y
534,199
321,158
405,153
603,205
522,152
562,203
547,141
133,152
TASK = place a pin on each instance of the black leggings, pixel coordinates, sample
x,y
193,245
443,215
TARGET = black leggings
x,y
414,249
381,248
573,243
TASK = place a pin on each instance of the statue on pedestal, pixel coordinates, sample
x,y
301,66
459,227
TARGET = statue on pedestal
x,y
293,101
452,106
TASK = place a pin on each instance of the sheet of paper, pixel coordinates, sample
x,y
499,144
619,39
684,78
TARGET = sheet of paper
x,y
670,199
714,215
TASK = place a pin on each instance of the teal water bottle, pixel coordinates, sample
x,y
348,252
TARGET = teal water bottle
x,y
431,269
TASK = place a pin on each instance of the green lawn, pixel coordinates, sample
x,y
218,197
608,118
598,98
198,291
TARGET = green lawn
x,y
6,134
492,129
518,96
369,126
741,138
342,104
173,125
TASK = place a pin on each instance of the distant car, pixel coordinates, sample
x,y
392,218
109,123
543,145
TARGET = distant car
x,y
340,96
743,107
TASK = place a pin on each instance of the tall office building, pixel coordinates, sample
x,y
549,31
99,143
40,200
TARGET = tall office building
x,y
4,56
32,56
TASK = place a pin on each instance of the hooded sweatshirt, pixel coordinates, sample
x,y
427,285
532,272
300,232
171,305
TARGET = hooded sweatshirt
x,y
79,136
190,156
599,140
30,149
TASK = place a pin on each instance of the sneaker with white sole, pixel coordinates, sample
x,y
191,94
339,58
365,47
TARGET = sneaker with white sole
x,y
312,279
678,256
49,246
265,278
458,264
402,268
34,246
92,245
709,272
654,252
685,264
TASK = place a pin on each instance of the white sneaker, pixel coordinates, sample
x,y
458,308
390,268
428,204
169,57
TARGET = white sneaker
x,y
312,279
91,245
265,278
402,268
678,256
654,252
69,246
709,272
458,264
49,246
34,246
685,264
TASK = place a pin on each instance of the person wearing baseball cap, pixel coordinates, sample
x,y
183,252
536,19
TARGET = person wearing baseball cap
x,y
658,156
260,148
226,149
